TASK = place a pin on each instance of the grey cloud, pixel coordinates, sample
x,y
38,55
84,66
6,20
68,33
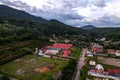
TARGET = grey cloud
x,y
84,3
76,3
15,3
65,12
104,21
100,3
21,5
110,20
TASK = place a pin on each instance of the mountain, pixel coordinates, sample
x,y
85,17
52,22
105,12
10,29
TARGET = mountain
x,y
16,25
14,13
88,27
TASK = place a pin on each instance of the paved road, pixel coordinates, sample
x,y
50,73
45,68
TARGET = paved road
x,y
80,64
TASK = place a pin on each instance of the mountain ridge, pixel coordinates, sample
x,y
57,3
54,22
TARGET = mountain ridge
x,y
88,27
7,11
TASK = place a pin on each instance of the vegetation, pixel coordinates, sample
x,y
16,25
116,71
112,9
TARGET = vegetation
x,y
77,53
23,68
68,71
83,72
115,47
12,51
21,32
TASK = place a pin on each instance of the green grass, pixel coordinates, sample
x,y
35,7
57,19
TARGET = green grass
x,y
24,64
77,53
83,73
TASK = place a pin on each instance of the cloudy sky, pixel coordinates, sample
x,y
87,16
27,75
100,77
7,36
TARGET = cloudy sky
x,y
73,12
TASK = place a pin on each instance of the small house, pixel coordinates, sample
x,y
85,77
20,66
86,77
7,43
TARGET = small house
x,y
99,67
89,54
117,53
111,51
92,63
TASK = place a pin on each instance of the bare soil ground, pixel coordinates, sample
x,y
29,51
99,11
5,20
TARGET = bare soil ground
x,y
41,70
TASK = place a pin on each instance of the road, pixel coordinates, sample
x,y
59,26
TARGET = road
x,y
80,64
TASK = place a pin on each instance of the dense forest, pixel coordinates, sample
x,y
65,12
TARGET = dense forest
x,y
18,29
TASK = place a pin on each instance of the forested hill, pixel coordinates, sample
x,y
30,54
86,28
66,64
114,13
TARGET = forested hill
x,y
88,27
10,12
15,27
18,25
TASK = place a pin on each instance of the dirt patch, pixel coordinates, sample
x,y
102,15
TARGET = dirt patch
x,y
42,70
17,60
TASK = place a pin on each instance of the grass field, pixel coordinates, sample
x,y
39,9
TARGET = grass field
x,y
24,68
77,53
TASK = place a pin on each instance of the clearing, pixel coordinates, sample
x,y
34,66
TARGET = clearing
x,y
32,67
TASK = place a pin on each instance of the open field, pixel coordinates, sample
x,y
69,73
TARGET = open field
x,y
32,67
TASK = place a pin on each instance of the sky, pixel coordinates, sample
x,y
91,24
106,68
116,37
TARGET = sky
x,y
101,13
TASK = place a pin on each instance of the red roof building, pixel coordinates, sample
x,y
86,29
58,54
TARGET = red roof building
x,y
60,46
66,52
114,71
65,48
118,51
97,49
111,51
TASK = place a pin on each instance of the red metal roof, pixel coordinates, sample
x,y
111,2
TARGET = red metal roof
x,y
113,71
66,52
110,50
63,45
67,46
96,49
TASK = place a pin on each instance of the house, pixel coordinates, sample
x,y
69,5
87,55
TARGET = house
x,y
117,53
89,54
66,41
54,52
99,67
99,71
97,47
66,52
114,72
60,46
103,39
56,48
111,51
100,53
92,63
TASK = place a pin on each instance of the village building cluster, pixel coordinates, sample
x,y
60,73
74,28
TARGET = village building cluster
x,y
96,69
56,49
114,52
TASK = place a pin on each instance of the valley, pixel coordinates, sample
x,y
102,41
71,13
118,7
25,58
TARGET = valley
x,y
33,48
